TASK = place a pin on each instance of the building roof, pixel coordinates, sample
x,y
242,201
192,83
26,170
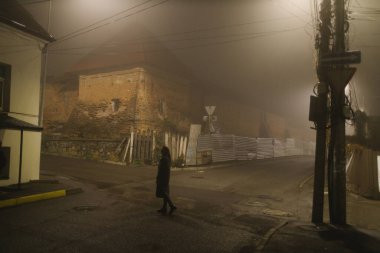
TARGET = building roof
x,y
8,122
121,51
14,15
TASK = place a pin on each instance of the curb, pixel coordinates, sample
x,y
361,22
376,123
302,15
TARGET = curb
x,y
198,168
38,197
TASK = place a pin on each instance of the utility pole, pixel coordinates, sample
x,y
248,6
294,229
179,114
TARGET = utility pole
x,y
333,74
323,47
338,76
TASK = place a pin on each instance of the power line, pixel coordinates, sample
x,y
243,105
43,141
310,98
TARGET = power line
x,y
368,46
192,46
17,3
102,20
35,2
75,34
153,39
84,31
208,29
307,23
285,8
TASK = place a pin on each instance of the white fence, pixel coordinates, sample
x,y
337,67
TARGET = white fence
x,y
232,147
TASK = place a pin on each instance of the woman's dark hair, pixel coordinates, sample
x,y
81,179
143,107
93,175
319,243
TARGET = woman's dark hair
x,y
165,152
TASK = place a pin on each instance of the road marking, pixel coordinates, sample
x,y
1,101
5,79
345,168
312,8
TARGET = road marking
x,y
272,212
305,181
39,196
269,235
32,198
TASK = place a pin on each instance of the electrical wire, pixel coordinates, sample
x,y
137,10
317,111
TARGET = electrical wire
x,y
307,23
214,28
17,3
90,28
137,42
102,20
192,46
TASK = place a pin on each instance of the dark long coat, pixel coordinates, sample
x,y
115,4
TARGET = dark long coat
x,y
163,177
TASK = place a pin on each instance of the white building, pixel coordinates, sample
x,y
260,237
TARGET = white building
x,y
22,41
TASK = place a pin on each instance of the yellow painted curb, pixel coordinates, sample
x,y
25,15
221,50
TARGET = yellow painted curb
x,y
32,198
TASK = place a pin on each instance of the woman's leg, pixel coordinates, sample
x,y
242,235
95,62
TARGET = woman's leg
x,y
165,203
164,206
169,201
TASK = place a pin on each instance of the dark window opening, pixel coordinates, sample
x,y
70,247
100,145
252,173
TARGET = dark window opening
x,y
162,108
115,104
1,93
4,162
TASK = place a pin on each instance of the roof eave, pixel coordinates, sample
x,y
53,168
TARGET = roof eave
x,y
21,27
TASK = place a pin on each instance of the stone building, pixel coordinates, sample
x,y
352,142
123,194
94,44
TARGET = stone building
x,y
91,116
144,88
108,105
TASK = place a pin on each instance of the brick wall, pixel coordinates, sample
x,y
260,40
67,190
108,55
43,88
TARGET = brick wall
x,y
108,105
104,87
59,103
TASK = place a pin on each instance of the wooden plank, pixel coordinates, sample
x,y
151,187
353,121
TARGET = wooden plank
x,y
126,150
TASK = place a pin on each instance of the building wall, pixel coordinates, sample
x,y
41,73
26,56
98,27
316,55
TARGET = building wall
x,y
108,105
234,117
240,119
168,103
363,172
24,101
59,104
150,100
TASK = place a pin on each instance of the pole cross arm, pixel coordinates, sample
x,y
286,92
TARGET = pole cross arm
x,y
345,58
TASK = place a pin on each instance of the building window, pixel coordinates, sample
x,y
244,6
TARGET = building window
x,y
1,93
4,162
5,87
115,104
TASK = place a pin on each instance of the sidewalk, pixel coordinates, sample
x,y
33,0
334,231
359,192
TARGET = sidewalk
x,y
309,238
34,191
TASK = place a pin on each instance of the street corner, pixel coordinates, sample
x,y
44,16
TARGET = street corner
x,y
295,236
20,198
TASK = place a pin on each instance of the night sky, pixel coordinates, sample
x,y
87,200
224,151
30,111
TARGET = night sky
x,y
259,51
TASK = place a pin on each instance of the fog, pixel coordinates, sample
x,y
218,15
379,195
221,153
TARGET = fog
x,y
259,51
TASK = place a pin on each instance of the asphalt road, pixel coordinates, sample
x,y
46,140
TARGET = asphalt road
x,y
223,208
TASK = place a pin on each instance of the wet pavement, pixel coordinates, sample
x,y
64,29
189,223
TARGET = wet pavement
x,y
256,206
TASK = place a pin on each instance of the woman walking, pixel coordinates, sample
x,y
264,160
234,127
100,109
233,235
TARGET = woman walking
x,y
163,177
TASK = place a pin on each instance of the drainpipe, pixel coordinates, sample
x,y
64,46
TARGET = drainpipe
x,y
42,84
44,73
